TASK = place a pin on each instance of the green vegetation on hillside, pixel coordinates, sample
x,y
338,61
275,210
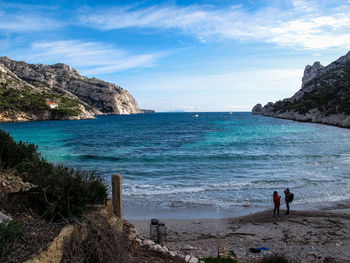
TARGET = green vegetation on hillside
x,y
332,95
59,191
26,100
23,100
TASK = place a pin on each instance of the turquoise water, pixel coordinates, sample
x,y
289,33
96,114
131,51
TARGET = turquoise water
x,y
179,166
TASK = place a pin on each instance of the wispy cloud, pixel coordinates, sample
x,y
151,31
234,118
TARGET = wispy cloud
x,y
89,57
27,21
306,24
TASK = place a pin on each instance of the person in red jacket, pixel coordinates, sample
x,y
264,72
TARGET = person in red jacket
x,y
277,203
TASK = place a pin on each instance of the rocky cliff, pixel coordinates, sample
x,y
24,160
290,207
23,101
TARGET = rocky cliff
x,y
90,95
324,96
21,101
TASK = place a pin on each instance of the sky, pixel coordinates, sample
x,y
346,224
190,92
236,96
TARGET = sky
x,y
224,55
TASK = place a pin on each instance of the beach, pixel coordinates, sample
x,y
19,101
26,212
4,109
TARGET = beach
x,y
210,179
304,236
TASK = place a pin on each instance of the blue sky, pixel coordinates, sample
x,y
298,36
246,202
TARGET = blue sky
x,y
190,55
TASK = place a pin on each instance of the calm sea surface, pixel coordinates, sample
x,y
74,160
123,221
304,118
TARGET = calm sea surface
x,y
175,165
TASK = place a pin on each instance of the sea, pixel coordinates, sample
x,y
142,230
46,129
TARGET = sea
x,y
201,165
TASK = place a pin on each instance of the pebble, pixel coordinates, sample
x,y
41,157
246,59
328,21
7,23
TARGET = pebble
x,y
165,250
172,253
181,256
157,248
188,247
148,242
193,260
187,258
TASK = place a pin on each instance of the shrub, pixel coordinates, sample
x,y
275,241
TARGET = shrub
x,y
8,234
96,241
12,153
63,112
59,191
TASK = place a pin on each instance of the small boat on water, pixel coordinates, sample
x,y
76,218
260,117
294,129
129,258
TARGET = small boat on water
x,y
196,116
230,113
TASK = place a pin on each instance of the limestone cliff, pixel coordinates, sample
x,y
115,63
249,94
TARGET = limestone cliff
x,y
21,101
324,96
94,95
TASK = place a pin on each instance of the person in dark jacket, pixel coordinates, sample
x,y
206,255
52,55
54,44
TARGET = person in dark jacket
x,y
277,203
288,197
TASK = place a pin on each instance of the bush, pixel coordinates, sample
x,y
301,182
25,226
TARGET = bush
x,y
12,153
59,191
8,234
63,112
24,100
274,259
96,241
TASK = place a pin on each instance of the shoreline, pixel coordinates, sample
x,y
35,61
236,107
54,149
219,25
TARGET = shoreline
x,y
198,212
303,119
306,236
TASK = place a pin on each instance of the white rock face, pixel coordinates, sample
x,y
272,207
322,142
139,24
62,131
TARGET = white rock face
x,y
103,97
330,84
311,72
12,82
317,70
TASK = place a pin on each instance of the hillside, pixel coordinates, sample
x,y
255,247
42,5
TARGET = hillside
x,y
52,213
324,96
46,92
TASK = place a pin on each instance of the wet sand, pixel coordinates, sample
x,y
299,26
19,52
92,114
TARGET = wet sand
x,y
305,236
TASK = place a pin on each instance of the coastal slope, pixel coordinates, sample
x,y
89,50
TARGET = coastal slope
x,y
62,82
21,101
324,96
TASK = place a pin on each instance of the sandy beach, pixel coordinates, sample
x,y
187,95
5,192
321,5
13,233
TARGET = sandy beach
x,y
304,236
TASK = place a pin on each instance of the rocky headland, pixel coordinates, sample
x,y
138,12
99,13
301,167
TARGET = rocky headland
x,y
57,92
324,96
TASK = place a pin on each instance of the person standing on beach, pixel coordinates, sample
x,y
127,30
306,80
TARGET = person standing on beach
x,y
277,203
288,198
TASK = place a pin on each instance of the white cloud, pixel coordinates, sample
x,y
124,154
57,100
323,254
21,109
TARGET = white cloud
x,y
305,25
89,57
22,22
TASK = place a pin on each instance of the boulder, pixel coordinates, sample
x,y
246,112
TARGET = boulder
x,y
4,218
